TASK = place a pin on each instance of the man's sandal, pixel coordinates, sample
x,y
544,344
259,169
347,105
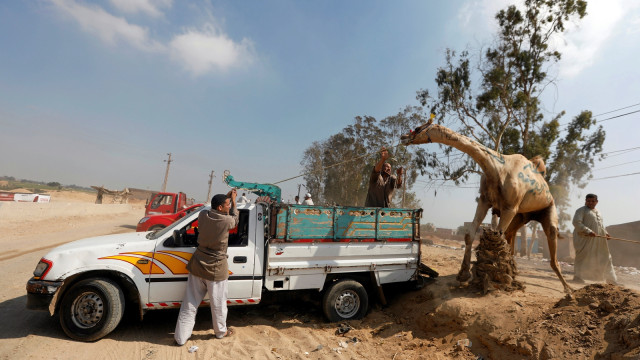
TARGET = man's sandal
x,y
228,333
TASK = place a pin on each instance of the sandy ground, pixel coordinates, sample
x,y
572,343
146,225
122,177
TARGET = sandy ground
x,y
435,322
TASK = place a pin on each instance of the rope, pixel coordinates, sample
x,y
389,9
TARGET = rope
x,y
613,238
336,164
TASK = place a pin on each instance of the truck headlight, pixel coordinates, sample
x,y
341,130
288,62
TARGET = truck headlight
x,y
143,220
42,268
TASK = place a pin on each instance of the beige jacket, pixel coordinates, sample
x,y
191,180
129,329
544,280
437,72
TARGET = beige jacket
x,y
209,261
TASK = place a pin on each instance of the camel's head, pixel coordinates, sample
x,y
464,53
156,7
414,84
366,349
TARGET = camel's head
x,y
420,135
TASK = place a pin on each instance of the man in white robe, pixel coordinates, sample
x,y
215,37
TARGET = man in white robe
x,y
593,260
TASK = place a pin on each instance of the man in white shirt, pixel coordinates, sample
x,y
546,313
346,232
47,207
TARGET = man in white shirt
x,y
243,199
307,199
593,260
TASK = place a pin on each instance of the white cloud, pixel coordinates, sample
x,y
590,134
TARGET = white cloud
x,y
108,28
582,41
149,7
580,44
480,15
634,25
198,51
204,51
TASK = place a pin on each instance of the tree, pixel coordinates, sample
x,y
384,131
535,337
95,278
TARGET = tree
x,y
462,229
54,184
337,170
503,111
428,227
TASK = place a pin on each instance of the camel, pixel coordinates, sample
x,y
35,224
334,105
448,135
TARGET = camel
x,y
511,184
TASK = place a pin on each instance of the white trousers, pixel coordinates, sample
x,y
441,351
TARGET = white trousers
x,y
196,289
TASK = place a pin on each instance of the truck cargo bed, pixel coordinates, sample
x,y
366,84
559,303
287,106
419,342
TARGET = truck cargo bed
x,y
302,223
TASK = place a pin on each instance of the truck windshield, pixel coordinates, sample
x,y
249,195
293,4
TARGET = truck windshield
x,y
169,229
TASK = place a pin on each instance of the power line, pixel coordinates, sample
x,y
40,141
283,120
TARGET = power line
x,y
630,162
616,176
620,152
622,108
617,116
336,164
609,112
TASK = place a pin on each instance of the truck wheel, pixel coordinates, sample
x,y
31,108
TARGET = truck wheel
x,y
91,309
345,300
156,227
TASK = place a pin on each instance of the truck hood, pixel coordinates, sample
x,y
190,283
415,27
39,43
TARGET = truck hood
x,y
87,253
102,241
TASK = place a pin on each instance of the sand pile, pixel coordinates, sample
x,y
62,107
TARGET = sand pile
x,y
601,322
495,268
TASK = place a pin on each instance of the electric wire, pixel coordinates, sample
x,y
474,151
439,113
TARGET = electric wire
x,y
622,108
612,166
609,118
337,164
616,176
617,116
461,154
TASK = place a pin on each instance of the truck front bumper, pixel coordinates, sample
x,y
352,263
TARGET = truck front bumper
x,y
40,293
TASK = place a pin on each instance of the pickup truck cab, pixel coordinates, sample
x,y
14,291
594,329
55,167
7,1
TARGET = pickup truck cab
x,y
343,253
167,203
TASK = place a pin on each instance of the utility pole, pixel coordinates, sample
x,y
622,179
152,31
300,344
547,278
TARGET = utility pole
x,y
210,182
299,190
166,174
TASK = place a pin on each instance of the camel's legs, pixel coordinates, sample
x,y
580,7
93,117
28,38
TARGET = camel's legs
x,y
510,235
494,222
550,226
523,241
534,233
506,215
481,211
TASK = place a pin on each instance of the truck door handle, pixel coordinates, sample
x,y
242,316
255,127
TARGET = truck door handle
x,y
239,259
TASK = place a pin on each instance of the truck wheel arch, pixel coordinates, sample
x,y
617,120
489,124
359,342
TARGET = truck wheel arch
x,y
126,284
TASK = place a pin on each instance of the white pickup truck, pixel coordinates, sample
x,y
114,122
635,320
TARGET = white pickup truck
x,y
344,253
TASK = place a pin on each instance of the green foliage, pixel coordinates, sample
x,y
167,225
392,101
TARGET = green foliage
x,y
503,110
38,186
462,230
337,170
427,228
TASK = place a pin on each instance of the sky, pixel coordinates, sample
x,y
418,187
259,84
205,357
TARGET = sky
x,y
98,92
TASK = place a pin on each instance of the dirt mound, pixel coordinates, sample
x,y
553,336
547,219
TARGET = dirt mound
x,y
495,268
600,322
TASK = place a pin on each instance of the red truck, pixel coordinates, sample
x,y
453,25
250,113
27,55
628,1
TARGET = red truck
x,y
167,203
161,221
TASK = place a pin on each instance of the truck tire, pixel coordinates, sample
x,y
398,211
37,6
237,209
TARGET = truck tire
x,y
91,309
156,227
345,300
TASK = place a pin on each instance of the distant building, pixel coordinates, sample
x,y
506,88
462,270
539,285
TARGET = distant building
x,y
141,194
625,253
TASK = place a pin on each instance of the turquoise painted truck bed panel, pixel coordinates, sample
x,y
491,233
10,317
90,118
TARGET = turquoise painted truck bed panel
x,y
316,223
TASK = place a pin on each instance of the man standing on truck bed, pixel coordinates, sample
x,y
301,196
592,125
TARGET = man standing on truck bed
x,y
382,183
208,268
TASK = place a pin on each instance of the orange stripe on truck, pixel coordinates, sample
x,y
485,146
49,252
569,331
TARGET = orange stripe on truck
x,y
148,268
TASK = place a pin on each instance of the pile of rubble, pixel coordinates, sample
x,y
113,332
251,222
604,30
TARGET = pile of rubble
x,y
495,268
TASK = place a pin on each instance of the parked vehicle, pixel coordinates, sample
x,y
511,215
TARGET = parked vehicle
x,y
167,203
161,221
345,254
